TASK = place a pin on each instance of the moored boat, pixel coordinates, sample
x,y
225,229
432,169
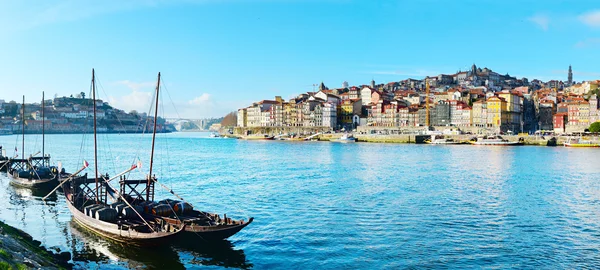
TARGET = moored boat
x,y
87,200
32,172
438,139
346,138
577,142
259,137
495,141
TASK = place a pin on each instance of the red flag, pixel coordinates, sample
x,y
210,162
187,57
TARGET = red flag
x,y
85,164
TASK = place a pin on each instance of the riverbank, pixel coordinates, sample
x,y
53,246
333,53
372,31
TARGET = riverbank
x,y
18,250
418,139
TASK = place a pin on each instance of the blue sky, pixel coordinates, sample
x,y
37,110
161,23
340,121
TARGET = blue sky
x,y
218,55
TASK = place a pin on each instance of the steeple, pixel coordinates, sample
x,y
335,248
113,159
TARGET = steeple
x,y
474,69
322,87
373,83
570,78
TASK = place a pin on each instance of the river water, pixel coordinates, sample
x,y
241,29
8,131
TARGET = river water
x,y
329,205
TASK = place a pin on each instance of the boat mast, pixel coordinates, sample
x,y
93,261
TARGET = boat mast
x,y
23,127
153,139
95,140
43,126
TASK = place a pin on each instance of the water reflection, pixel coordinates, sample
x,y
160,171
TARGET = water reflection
x,y
218,253
88,248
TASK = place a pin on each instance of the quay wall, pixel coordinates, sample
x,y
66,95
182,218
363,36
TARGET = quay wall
x,y
412,135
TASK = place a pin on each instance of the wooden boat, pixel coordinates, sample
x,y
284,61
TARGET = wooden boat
x,y
346,138
438,139
32,172
4,160
87,199
577,142
178,213
259,137
495,141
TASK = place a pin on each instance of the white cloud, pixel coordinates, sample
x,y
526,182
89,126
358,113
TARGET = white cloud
x,y
591,18
541,20
590,42
136,100
200,100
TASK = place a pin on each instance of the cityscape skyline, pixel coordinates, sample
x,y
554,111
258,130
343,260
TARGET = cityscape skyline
x,y
216,57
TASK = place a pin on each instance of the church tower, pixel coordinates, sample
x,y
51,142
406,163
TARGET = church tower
x,y
570,78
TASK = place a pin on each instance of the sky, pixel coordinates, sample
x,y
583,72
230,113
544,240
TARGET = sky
x,y
216,56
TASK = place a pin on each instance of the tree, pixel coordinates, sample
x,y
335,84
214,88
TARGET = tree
x,y
230,120
595,127
82,94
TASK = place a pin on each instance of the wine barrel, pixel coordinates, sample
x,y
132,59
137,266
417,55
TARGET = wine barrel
x,y
162,210
106,214
169,202
89,210
148,206
117,205
182,208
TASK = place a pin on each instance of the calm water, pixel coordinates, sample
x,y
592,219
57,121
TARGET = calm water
x,y
326,205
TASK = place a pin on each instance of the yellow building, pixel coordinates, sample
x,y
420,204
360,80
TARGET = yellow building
x,y
496,112
513,110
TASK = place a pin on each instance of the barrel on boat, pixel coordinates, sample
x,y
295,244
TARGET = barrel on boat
x,y
148,206
162,210
88,209
106,214
182,208
117,205
128,211
168,201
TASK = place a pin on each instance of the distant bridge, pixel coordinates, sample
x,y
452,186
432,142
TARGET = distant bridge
x,y
201,123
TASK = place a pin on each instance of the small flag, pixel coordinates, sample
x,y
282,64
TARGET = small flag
x,y
16,149
139,164
133,166
59,166
85,164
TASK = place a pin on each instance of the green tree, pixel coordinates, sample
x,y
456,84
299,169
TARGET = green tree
x,y
595,127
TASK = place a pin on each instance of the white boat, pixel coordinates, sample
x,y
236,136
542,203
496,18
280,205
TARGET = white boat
x,y
346,138
578,142
495,140
214,135
441,140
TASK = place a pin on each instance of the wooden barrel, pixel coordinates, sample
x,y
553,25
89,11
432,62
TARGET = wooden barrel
x,y
106,214
162,210
90,209
148,206
169,202
182,208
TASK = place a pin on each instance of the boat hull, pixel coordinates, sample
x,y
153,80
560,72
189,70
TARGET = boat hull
x,y
34,183
213,233
581,145
113,232
443,143
498,144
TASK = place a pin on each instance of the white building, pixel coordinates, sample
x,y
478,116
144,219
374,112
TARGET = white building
x,y
329,115
75,115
